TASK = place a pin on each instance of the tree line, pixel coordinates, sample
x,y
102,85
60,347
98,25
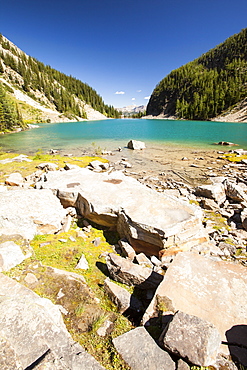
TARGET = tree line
x,y
67,93
207,86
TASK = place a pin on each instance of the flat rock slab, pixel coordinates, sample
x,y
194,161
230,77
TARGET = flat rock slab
x,y
213,291
30,212
140,351
32,327
114,199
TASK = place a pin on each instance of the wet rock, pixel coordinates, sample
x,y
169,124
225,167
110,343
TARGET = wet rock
x,y
193,339
136,145
138,347
127,272
122,298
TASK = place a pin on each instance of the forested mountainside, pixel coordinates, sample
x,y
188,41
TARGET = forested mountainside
x,y
207,87
50,89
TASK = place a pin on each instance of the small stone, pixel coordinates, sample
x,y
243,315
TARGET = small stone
x,y
82,264
72,238
31,279
96,242
62,240
105,329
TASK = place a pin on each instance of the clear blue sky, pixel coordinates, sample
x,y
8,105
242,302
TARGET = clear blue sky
x,y
121,48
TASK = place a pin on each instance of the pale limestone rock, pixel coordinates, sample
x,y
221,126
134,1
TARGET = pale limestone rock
x,y
126,249
214,291
106,328
136,145
30,212
140,351
143,216
14,179
10,255
142,260
235,192
82,264
215,191
121,297
193,339
31,326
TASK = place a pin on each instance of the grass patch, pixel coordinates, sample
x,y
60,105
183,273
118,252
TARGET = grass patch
x,y
234,157
27,168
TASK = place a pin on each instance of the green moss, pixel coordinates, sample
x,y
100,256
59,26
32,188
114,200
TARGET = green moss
x,y
27,168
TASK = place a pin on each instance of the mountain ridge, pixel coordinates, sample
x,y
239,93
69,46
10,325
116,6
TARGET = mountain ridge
x,y
43,94
212,87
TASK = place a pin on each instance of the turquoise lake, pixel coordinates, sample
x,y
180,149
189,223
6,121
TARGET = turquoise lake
x,y
112,133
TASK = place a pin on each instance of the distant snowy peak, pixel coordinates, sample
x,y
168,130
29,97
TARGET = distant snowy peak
x,y
132,109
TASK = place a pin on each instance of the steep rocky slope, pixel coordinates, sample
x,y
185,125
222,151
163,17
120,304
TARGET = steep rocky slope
x,y
43,94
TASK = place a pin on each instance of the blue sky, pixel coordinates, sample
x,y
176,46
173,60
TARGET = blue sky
x,y
121,48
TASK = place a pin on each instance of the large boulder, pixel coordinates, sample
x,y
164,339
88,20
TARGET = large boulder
x,y
235,192
30,212
139,350
31,328
136,145
143,216
214,291
193,339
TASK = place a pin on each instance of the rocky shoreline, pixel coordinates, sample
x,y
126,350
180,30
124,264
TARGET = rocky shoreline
x,y
177,270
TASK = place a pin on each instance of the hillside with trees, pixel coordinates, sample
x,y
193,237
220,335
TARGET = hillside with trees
x,y
50,88
206,87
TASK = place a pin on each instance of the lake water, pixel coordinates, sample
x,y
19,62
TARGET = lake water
x,y
110,134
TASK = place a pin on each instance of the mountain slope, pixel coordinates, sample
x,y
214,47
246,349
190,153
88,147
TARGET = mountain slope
x,y
46,94
206,87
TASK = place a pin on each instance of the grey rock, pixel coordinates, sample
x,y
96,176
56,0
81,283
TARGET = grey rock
x,y
30,212
142,260
136,145
98,165
182,365
207,289
10,255
127,250
193,339
139,350
121,297
31,326
48,166
129,273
